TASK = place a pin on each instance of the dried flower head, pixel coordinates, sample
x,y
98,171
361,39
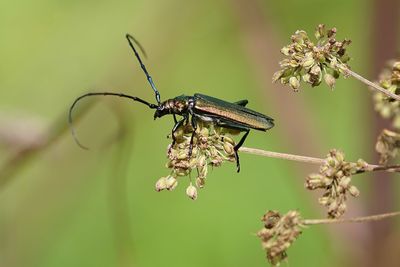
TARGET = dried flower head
x,y
212,146
279,233
313,62
389,79
387,146
335,178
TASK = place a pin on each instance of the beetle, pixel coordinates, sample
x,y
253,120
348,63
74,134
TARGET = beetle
x,y
192,109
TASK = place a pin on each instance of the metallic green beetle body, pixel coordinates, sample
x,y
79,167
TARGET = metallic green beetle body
x,y
233,113
210,109
195,108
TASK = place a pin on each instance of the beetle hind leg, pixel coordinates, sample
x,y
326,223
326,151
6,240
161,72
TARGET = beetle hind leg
x,y
236,148
239,127
225,124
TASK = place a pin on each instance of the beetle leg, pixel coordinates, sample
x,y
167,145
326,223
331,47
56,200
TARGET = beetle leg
x,y
235,126
236,148
175,120
194,126
230,125
176,126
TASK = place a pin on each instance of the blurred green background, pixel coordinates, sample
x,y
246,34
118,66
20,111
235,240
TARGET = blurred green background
x,y
68,207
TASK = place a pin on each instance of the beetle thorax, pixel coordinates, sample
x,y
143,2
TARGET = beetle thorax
x,y
178,106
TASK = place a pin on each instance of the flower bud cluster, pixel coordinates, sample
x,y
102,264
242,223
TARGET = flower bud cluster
x,y
211,147
279,233
390,80
387,146
311,62
334,178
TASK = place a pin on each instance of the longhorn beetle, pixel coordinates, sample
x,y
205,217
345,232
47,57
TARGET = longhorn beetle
x,y
195,108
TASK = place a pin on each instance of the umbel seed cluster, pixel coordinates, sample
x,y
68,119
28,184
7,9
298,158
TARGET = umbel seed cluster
x,y
389,79
212,146
334,178
313,62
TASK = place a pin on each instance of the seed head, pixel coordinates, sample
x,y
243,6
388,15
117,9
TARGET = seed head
x,y
278,234
191,192
388,145
330,80
294,83
171,183
308,61
334,178
161,184
390,80
211,147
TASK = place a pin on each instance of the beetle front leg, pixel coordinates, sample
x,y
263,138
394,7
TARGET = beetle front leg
x,y
194,126
176,126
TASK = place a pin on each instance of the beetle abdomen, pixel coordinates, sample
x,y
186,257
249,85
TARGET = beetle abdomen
x,y
215,107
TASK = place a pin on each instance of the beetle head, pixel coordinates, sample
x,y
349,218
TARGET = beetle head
x,y
161,111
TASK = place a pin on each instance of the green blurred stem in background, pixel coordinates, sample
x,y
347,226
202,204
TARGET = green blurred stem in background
x,y
27,154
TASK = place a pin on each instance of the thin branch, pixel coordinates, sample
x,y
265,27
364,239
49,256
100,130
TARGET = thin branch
x,y
312,160
278,155
369,83
352,220
388,168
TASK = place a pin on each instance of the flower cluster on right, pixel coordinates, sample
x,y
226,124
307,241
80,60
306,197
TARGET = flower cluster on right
x,y
313,62
390,80
335,178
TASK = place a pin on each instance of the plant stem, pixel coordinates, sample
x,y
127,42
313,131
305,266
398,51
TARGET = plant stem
x,y
369,83
278,155
312,160
371,218
388,168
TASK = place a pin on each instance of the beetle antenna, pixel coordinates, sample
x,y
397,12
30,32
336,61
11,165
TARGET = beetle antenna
x,y
132,40
134,98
